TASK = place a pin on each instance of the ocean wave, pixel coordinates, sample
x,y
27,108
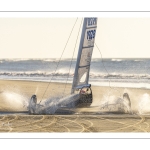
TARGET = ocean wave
x,y
28,59
116,59
63,73
119,76
49,60
35,74
138,60
35,59
16,59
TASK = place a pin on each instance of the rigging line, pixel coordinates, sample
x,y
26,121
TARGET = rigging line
x,y
72,57
107,71
59,60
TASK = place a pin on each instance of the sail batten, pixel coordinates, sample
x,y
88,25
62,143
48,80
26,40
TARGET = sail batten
x,y
83,66
88,47
81,75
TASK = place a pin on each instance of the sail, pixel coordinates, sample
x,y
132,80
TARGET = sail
x,y
81,75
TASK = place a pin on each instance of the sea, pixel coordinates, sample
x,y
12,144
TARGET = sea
x,y
118,72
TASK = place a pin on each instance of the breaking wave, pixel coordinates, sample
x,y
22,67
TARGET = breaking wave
x,y
120,76
138,60
34,74
116,59
63,73
17,59
33,59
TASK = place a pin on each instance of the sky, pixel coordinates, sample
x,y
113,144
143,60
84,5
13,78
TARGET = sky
x,y
47,37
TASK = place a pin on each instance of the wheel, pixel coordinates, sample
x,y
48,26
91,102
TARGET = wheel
x,y
32,104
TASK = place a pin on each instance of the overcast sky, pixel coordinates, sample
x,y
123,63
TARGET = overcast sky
x,y
47,37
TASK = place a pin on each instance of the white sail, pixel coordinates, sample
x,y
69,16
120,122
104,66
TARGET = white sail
x,y
81,75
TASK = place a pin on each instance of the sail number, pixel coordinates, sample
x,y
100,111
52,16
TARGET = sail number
x,y
92,21
91,34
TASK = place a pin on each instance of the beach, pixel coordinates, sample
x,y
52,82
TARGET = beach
x,y
74,123
17,91
15,95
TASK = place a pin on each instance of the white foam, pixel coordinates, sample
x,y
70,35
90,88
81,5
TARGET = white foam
x,y
15,100
116,59
51,105
50,59
144,104
138,60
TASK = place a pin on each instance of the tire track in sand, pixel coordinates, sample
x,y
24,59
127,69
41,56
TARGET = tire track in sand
x,y
23,123
26,123
128,125
10,128
147,125
49,124
32,123
14,127
2,118
54,121
86,128
67,122
83,128
6,123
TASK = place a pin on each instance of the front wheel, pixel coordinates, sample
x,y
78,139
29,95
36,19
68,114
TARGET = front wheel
x,y
32,104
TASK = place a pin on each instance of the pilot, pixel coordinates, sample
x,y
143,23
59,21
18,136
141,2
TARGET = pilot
x,y
82,91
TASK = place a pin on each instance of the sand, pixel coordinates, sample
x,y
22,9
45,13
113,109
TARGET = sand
x,y
74,123
14,96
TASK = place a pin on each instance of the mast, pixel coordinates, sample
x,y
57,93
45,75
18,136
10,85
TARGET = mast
x,y
81,75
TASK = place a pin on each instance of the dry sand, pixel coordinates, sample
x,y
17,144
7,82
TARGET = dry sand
x,y
14,96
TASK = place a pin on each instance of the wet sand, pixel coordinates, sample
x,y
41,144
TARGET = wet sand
x,y
14,95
